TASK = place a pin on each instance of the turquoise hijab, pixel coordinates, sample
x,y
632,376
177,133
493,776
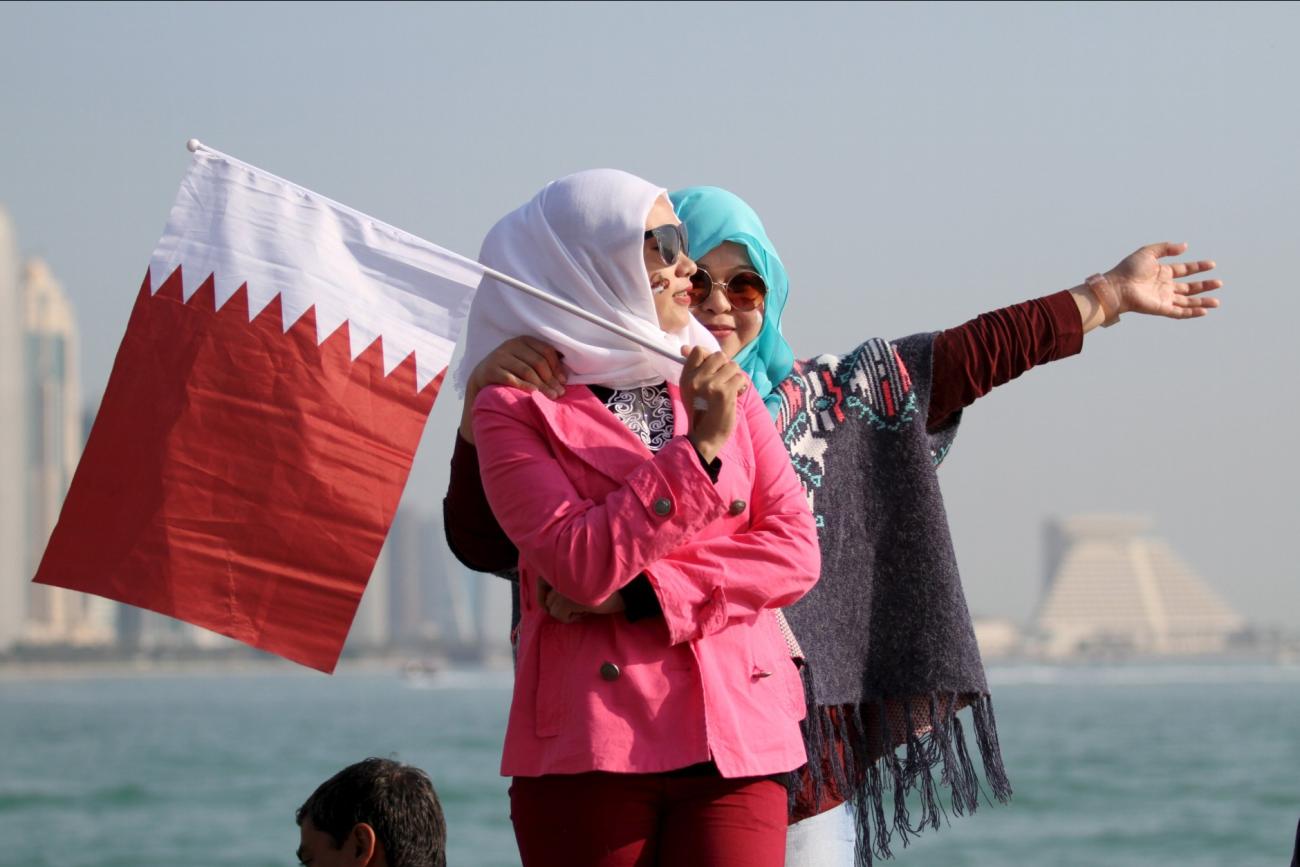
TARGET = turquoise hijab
x,y
712,216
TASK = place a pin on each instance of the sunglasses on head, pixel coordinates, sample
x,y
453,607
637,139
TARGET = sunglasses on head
x,y
745,290
671,238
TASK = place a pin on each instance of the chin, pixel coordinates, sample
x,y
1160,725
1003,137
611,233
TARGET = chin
x,y
674,327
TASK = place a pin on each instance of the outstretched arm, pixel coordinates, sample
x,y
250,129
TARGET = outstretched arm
x,y
996,347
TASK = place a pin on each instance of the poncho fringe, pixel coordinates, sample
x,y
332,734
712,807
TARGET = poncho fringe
x,y
845,756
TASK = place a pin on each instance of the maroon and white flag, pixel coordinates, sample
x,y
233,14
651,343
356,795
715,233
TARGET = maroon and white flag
x,y
262,414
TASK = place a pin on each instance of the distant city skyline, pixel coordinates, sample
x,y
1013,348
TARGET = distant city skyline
x,y
916,164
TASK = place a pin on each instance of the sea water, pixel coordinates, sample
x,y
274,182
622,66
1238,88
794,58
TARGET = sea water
x,y
1136,765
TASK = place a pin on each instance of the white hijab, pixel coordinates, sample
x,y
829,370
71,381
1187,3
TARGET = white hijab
x,y
581,238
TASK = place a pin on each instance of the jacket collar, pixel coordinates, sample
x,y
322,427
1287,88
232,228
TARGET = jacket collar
x,y
595,435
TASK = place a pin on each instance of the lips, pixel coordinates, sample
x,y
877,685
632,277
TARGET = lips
x,y
719,330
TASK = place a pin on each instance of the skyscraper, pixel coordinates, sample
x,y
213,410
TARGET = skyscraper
x,y
53,415
433,598
404,548
13,451
370,626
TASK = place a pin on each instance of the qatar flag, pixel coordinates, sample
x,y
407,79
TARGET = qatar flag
x,y
261,417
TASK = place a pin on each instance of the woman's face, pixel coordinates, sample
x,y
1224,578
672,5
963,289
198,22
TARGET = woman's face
x,y
733,328
669,283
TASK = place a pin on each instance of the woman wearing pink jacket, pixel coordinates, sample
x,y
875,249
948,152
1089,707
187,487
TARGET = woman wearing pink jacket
x,y
638,740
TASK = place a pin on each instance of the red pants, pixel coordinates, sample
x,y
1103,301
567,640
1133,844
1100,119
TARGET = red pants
x,y
645,820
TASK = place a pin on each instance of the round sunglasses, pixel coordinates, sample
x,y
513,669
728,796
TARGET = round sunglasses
x,y
745,290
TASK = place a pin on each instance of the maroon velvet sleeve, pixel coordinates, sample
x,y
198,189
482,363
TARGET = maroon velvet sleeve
x,y
473,533
972,359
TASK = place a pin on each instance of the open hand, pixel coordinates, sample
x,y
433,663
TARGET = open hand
x,y
1143,284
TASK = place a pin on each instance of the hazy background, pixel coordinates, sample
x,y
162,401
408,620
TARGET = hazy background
x,y
916,165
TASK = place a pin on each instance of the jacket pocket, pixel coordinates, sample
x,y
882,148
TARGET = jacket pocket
x,y
557,648
773,672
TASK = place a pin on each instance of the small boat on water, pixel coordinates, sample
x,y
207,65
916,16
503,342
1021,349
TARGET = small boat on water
x,y
422,671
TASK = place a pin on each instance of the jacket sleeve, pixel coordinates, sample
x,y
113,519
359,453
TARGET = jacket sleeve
x,y
707,583
472,531
586,550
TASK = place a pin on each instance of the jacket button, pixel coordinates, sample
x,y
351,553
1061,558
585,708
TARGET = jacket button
x,y
737,506
663,506
609,671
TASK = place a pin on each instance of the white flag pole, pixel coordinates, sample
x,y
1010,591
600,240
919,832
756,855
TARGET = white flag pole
x,y
194,146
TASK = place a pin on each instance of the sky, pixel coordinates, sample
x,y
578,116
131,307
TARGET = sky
x,y
916,165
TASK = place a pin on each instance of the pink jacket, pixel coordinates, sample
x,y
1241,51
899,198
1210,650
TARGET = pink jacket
x,y
590,508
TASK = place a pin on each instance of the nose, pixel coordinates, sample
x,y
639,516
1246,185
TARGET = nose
x,y
717,300
685,266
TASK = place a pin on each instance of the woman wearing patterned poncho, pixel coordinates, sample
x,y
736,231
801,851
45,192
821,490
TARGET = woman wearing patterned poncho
x,y
885,638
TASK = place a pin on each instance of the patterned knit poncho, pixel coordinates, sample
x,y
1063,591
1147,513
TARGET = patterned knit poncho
x,y
890,653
